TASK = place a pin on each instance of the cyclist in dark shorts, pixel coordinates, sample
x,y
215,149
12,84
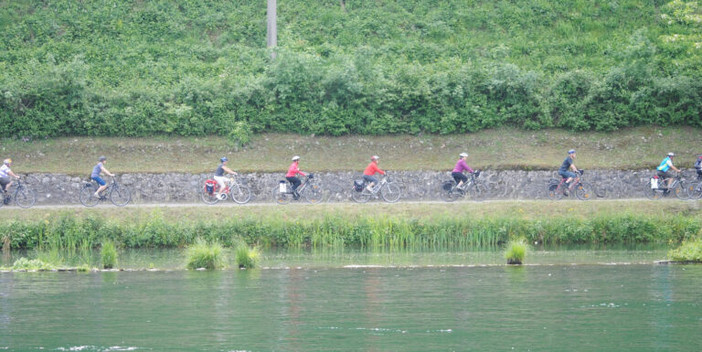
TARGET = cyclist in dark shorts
x,y
664,167
569,171
461,166
291,176
369,172
95,175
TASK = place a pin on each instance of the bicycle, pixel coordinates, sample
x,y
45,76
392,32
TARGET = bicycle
x,y
23,196
118,195
557,190
450,191
694,189
386,188
655,187
235,190
309,190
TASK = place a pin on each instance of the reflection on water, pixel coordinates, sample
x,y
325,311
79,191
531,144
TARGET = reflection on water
x,y
337,257
644,307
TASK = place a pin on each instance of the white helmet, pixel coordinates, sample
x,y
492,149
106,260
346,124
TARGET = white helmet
x,y
463,155
295,158
671,154
375,157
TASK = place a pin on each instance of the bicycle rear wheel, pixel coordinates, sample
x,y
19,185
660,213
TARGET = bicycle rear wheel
x,y
554,191
361,197
583,191
240,194
391,192
87,196
313,194
120,196
25,197
651,193
280,197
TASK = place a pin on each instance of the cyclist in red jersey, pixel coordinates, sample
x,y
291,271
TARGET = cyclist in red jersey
x,y
369,173
291,176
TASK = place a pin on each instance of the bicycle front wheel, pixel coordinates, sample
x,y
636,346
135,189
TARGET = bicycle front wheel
x,y
87,196
694,190
240,194
25,197
680,191
313,194
391,192
478,192
583,191
120,196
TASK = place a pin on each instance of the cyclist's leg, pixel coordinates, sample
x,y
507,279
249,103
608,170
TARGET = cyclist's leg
x,y
102,185
665,176
295,181
460,178
371,180
222,182
5,182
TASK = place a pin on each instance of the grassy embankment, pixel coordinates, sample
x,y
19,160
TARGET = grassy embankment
x,y
504,148
397,226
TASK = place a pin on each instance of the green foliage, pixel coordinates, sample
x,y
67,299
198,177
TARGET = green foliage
x,y
143,68
247,257
689,251
108,254
516,251
34,264
203,254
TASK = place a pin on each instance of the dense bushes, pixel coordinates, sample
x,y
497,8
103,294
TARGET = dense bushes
x,y
198,68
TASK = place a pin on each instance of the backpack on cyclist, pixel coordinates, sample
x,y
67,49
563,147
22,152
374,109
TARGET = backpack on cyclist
x,y
698,163
358,185
210,186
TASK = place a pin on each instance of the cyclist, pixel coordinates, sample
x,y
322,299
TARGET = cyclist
x,y
95,175
5,174
369,173
219,175
569,171
291,176
461,166
698,167
666,165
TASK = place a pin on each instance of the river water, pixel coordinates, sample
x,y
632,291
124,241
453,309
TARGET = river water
x,y
620,301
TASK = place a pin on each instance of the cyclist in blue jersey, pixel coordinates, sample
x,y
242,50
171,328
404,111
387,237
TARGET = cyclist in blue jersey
x,y
95,175
665,166
569,171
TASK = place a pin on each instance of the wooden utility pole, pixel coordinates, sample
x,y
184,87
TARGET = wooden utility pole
x,y
272,34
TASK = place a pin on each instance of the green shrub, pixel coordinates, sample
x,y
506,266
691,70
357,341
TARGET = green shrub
x,y
247,257
34,264
689,251
203,254
108,254
516,251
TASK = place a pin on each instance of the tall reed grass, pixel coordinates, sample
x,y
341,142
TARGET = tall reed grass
x,y
67,232
203,254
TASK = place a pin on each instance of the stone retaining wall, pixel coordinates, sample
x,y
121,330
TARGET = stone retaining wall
x,y
416,185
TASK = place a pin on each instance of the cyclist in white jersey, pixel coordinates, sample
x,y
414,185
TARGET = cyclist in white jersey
x,y
5,174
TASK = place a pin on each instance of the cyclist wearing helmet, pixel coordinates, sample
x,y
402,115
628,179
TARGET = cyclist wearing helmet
x,y
667,164
95,175
291,176
369,173
219,175
5,174
698,167
461,166
569,171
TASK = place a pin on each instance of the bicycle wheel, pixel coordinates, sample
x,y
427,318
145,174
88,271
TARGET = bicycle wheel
x,y
554,192
448,196
680,191
120,196
391,192
694,190
478,192
87,196
583,191
208,198
651,193
25,197
361,197
313,194
240,194
280,197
